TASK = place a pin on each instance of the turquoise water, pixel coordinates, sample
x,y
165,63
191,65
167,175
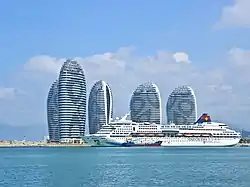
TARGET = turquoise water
x,y
124,167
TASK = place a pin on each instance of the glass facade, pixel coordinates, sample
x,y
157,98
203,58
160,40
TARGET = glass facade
x,y
72,101
100,106
52,113
145,104
181,106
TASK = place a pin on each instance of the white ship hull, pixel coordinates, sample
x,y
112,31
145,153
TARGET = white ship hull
x,y
200,142
166,141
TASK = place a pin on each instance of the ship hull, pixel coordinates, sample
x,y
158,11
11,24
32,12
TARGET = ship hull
x,y
132,144
98,141
212,142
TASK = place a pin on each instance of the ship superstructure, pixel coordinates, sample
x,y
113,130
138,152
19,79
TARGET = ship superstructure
x,y
127,133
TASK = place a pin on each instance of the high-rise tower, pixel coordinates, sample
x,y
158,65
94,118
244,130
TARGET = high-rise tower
x,y
100,106
145,104
181,106
72,102
52,113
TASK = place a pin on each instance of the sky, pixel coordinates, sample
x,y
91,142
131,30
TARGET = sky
x,y
202,44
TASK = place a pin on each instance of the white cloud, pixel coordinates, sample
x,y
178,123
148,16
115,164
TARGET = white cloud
x,y
236,15
6,93
181,57
112,63
44,63
239,57
220,91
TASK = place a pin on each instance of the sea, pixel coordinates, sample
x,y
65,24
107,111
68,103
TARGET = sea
x,y
125,167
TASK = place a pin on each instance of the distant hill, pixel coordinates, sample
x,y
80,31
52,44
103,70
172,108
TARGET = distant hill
x,y
35,132
245,134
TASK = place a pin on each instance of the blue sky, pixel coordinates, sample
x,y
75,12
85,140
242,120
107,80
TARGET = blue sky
x,y
72,28
82,29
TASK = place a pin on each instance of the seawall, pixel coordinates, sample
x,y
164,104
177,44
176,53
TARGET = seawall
x,y
37,144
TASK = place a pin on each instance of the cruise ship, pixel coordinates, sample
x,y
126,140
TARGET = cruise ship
x,y
203,133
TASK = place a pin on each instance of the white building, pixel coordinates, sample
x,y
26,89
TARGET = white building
x,y
145,104
72,102
52,113
100,106
181,106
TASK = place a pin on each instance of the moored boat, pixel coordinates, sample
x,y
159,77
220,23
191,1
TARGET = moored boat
x,y
132,144
203,133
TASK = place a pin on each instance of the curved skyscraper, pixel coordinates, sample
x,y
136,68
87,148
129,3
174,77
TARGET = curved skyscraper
x,y
145,104
181,106
100,106
52,113
72,102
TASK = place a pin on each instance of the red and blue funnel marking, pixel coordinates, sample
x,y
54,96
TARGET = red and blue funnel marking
x,y
204,118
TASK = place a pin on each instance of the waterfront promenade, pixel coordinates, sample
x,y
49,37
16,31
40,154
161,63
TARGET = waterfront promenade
x,y
10,144
16,144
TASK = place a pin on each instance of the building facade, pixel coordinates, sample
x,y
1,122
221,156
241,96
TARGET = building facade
x,y
52,113
100,106
145,104
72,102
181,106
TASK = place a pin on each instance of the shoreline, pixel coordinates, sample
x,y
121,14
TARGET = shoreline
x,y
40,145
47,145
243,145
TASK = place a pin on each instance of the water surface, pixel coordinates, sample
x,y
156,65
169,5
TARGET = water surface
x,y
125,167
